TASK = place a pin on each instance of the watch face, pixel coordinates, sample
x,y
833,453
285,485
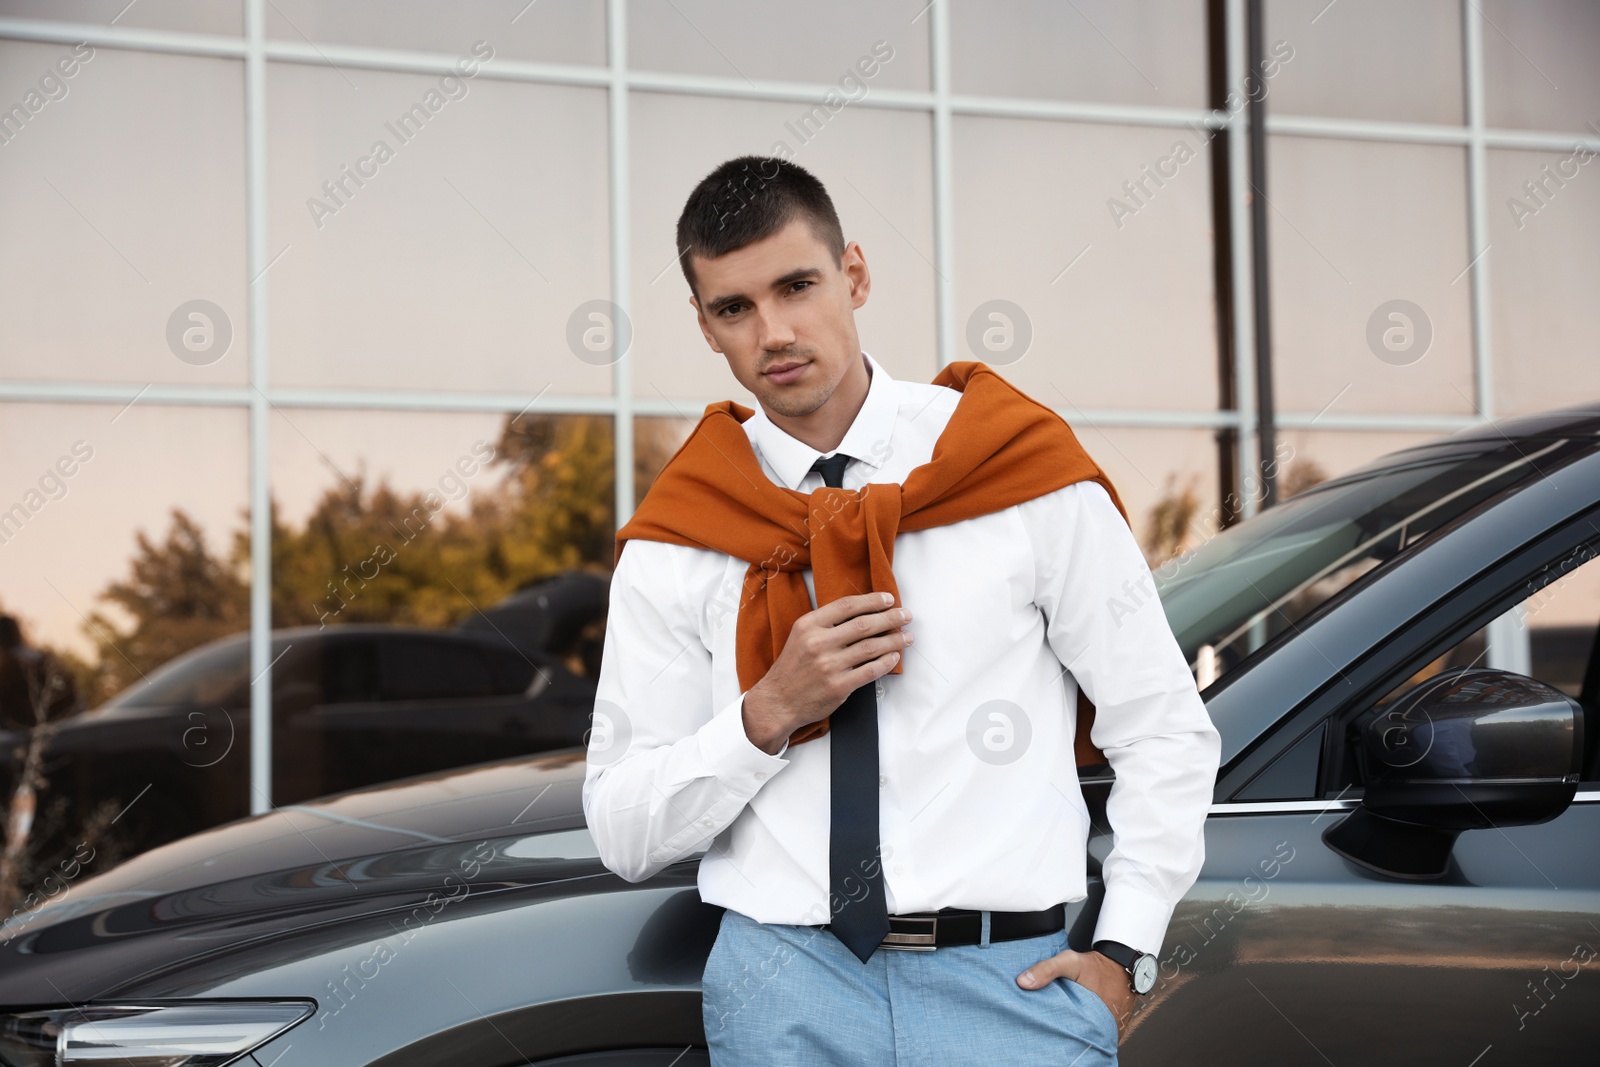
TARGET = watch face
x,y
1144,973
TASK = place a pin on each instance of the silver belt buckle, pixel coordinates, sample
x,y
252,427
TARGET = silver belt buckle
x,y
915,940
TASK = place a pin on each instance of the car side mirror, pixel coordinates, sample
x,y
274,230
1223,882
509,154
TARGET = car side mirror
x,y
1468,749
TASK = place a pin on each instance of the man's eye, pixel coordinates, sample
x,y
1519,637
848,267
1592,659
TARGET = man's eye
x,y
726,309
803,283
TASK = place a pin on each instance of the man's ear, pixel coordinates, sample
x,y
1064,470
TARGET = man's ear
x,y
700,317
853,265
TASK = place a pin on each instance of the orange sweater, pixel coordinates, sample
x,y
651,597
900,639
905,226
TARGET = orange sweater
x,y
1000,448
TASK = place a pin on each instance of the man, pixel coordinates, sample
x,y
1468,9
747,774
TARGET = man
x,y
856,805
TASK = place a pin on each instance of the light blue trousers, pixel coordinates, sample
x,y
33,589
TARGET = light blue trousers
x,y
794,996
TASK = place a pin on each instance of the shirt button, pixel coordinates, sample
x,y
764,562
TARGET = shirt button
x,y
707,822
883,779
879,688
761,776
899,868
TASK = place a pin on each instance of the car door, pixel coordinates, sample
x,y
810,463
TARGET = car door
x,y
1286,952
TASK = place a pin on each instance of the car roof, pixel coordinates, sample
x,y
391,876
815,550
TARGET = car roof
x,y
369,629
1579,422
282,635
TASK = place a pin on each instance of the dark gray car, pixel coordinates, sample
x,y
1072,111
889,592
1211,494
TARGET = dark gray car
x,y
1402,860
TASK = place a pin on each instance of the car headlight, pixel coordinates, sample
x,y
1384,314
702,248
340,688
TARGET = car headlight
x,y
200,1033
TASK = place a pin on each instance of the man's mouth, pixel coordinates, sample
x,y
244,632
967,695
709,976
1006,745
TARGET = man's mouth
x,y
787,371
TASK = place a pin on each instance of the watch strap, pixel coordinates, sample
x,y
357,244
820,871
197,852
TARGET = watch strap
x,y
1119,953
1132,961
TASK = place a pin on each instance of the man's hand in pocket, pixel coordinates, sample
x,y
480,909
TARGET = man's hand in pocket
x,y
1104,977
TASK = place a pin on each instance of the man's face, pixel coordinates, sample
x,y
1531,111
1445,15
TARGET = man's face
x,y
783,313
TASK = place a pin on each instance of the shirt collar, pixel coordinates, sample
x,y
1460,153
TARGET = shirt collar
x,y
866,440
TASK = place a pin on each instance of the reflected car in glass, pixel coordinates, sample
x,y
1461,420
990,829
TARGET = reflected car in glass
x,y
353,705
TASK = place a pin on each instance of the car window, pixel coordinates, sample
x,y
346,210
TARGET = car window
x,y
1562,620
1550,636
580,646
514,669
1553,636
213,674
350,671
420,668
1228,597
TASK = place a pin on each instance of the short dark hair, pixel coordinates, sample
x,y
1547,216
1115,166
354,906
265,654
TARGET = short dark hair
x,y
747,199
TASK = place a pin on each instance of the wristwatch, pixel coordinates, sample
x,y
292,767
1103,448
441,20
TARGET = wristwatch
x,y
1141,966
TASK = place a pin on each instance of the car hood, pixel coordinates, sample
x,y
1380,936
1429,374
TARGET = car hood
x,y
294,869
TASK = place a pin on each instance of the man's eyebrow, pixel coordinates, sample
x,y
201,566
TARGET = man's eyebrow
x,y
798,275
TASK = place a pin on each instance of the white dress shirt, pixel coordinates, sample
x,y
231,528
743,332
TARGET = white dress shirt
x,y
980,805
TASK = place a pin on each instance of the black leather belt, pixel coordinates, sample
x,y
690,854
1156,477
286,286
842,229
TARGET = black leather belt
x,y
924,931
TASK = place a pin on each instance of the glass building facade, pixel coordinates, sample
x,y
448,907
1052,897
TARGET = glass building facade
x,y
272,268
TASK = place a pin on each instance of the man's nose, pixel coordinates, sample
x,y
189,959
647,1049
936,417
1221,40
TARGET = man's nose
x,y
774,332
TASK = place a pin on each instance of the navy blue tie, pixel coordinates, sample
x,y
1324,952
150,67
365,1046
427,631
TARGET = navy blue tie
x,y
858,911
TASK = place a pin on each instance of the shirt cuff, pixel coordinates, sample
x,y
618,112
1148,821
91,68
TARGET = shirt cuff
x,y
1134,918
730,754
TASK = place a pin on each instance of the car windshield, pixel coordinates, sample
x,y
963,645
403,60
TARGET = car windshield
x,y
214,673
1228,597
